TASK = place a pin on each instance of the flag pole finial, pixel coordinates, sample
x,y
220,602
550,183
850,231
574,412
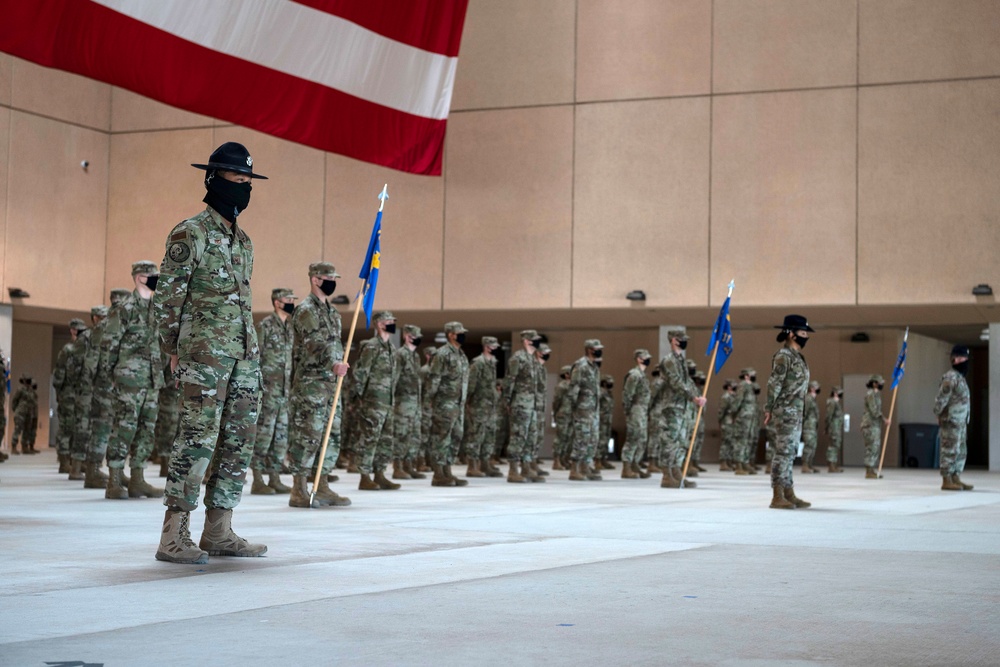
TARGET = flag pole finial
x,y
732,284
382,196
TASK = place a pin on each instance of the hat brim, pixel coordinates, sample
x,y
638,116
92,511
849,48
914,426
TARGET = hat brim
x,y
805,328
229,167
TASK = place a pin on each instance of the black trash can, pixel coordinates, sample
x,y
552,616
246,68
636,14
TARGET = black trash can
x,y
918,446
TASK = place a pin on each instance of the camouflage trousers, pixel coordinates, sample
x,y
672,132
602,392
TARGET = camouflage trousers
x,y
654,425
503,430
562,447
699,441
271,443
102,414
66,414
81,432
406,431
743,436
772,442
833,450
953,447
219,406
536,451
168,420
447,426
480,433
603,438
349,425
586,432
309,411
135,418
787,433
872,435
726,444
22,425
426,417
673,441
523,433
374,437
636,431
809,439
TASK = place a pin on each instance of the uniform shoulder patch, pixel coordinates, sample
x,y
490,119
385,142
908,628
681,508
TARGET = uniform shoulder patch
x,y
179,251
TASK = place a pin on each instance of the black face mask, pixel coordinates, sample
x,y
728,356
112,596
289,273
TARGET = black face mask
x,y
228,198
962,368
597,362
683,344
756,392
691,372
390,328
645,362
880,386
604,385
801,341
460,338
656,373
840,396
753,378
545,357
536,343
417,340
597,353
328,287
288,308
151,282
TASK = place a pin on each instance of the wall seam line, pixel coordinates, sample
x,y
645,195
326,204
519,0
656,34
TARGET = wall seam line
x,y
711,132
572,168
857,153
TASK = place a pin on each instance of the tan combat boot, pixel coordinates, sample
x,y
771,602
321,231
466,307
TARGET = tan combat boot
x,y
778,501
697,466
724,466
806,469
742,468
539,470
457,481
399,470
640,472
63,463
948,483
791,497
300,494
326,497
557,464
413,469
440,478
352,463
871,474
592,473
669,481
274,481
576,473
75,470
487,467
93,478
831,466
218,538
115,490
423,465
260,487
137,486
692,470
366,483
627,472
530,472
685,483
383,481
473,469
958,480
176,545
514,476
653,467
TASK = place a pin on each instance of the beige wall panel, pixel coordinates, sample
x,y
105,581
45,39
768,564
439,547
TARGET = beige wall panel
x,y
412,243
645,48
641,203
31,354
516,53
917,40
61,95
56,212
776,44
508,209
783,197
285,216
153,187
4,163
131,112
928,201
6,67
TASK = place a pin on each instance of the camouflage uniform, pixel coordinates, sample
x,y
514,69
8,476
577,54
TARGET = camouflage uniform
x,y
562,411
425,404
699,438
274,336
952,408
482,404
135,364
678,392
317,348
447,391
726,424
64,378
810,427
203,306
541,392
521,398
584,395
606,406
406,407
871,424
168,416
102,404
24,405
786,390
834,429
744,409
655,423
85,350
373,389
635,400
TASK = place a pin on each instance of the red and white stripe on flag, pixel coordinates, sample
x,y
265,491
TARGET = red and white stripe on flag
x,y
369,79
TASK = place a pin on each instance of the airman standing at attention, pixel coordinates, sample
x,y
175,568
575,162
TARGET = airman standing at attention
x,y
136,366
562,415
481,411
318,359
744,422
692,415
102,403
204,309
64,377
680,391
606,407
699,440
871,425
24,405
373,388
542,354
406,407
448,390
275,337
584,394
951,406
655,426
810,428
87,348
424,462
834,426
521,399
635,400
726,427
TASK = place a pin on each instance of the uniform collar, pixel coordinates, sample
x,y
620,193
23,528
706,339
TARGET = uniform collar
x,y
221,222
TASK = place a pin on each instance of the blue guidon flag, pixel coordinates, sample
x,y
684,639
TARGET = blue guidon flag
x,y
897,372
373,259
722,335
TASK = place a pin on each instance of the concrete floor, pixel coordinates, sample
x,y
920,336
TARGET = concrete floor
x,y
619,572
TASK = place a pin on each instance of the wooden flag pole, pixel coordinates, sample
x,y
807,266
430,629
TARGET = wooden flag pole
x,y
704,394
885,437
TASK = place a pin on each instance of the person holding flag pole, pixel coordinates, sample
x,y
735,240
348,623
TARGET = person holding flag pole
x,y
897,375
721,341
366,299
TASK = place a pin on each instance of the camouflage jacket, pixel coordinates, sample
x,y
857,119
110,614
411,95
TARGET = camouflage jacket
x,y
133,354
76,372
408,382
678,387
203,301
59,370
810,413
834,416
952,401
521,383
92,358
24,403
744,405
275,339
448,382
562,408
873,409
606,405
726,413
374,374
584,388
317,345
483,396
541,389
636,392
788,384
